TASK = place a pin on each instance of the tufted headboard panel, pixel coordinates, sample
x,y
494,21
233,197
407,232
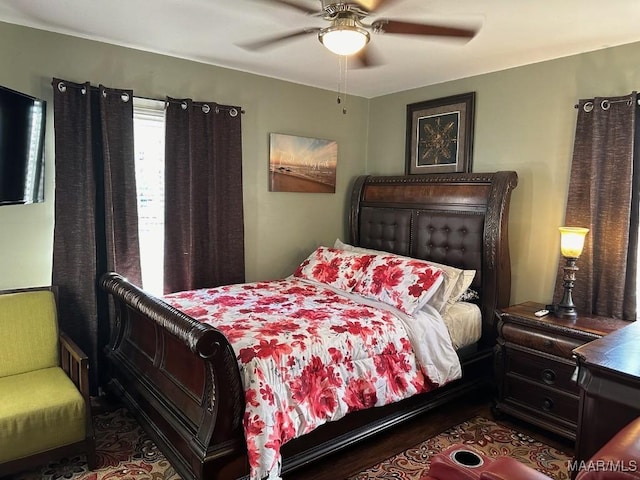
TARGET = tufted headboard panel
x,y
459,219
386,229
452,239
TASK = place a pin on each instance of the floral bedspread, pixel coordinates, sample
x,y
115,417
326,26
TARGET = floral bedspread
x,y
308,354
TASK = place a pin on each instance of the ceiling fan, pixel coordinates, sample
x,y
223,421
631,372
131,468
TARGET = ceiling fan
x,y
347,34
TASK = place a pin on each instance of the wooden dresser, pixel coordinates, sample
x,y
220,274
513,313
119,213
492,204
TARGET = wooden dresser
x,y
609,380
535,368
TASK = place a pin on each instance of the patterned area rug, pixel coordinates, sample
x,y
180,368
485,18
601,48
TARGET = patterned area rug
x,y
125,452
483,435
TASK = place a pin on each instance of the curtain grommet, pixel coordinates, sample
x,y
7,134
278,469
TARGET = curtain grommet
x,y
62,87
233,112
588,107
206,108
125,97
605,104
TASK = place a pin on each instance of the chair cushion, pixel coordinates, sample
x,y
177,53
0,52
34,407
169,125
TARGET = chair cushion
x,y
28,332
39,411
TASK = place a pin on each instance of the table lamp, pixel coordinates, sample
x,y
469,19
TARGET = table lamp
x,y
571,244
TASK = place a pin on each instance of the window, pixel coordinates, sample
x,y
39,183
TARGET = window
x,y
149,128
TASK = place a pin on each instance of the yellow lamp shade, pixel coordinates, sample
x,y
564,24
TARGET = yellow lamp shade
x,y
572,241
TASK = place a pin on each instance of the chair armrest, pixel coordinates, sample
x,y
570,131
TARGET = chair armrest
x,y
507,468
75,364
618,459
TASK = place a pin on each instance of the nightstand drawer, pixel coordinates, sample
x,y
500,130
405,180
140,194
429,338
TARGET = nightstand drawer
x,y
541,399
544,370
539,340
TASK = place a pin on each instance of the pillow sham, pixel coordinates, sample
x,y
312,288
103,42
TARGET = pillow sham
x,y
455,282
340,269
459,289
404,283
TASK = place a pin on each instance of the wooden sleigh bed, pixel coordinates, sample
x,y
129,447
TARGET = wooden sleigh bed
x,y
180,377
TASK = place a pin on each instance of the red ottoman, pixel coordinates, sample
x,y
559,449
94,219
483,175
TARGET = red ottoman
x,y
458,462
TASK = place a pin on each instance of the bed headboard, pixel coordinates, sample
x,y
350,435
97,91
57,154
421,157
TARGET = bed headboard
x,y
459,219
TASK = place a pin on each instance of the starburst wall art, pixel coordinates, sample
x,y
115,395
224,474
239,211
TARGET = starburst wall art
x,y
440,135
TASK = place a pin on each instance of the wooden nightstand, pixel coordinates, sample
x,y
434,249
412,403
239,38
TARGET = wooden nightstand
x,y
535,367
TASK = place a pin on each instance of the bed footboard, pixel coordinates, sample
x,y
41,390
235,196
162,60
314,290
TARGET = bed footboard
x,y
181,380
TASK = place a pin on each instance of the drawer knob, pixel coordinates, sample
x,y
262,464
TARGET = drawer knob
x,y
548,376
548,343
547,405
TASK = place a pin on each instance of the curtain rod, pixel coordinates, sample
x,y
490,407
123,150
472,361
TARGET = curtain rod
x,y
176,101
606,103
233,111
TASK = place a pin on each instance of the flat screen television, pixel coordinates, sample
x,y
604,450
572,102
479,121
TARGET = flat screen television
x,y
22,127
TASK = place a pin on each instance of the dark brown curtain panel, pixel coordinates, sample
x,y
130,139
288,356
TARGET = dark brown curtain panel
x,y
204,225
603,198
96,223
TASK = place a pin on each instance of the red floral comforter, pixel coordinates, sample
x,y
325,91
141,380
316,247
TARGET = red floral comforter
x,y
309,354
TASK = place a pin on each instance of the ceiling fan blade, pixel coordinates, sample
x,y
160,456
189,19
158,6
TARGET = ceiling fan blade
x,y
367,57
272,41
296,5
409,28
373,5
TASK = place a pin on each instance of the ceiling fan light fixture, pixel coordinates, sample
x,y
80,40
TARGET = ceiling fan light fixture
x,y
344,39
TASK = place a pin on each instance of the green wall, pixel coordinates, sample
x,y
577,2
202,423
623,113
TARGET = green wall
x,y
280,228
525,121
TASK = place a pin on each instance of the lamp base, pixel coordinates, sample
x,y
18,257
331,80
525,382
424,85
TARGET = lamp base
x,y
566,308
565,311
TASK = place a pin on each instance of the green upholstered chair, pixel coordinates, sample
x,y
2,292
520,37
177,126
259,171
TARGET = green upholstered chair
x,y
45,410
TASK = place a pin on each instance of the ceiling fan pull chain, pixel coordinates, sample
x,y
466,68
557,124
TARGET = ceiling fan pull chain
x,y
338,99
346,70
342,81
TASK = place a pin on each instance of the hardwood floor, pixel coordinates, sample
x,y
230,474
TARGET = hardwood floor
x,y
354,460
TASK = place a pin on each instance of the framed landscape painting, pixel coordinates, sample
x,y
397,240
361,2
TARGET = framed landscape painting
x,y
302,164
440,135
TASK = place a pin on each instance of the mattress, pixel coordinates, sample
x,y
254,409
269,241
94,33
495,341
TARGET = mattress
x,y
464,322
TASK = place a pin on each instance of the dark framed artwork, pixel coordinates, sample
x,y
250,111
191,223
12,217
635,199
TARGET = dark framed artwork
x,y
440,135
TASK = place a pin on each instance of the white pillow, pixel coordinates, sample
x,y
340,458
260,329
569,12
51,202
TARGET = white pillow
x,y
456,281
464,281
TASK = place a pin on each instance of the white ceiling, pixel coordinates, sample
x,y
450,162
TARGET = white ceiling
x,y
511,33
